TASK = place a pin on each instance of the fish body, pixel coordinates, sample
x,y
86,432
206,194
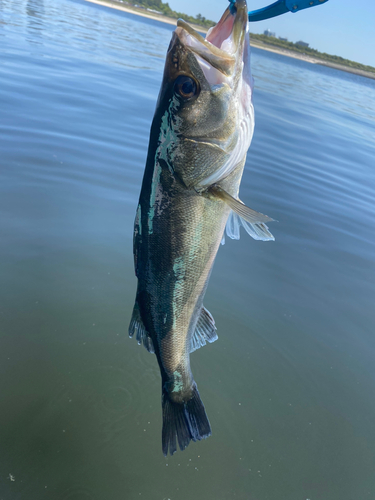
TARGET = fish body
x,y
202,128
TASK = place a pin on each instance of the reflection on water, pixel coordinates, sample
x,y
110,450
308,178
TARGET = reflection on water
x,y
35,21
319,84
35,13
288,386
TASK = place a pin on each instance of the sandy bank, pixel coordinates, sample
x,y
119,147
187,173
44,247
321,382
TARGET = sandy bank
x,y
114,4
142,12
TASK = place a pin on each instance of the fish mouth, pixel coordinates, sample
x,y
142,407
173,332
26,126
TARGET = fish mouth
x,y
224,43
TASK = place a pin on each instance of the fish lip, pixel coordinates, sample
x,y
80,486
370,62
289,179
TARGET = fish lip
x,y
231,27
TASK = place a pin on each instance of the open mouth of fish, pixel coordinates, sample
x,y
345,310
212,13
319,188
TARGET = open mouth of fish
x,y
221,50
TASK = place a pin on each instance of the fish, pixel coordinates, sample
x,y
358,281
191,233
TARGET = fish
x,y
201,131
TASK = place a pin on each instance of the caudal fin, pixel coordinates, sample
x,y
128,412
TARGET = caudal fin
x,y
185,421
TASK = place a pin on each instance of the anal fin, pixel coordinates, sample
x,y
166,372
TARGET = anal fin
x,y
138,329
205,331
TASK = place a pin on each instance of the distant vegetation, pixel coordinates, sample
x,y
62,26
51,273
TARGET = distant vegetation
x,y
163,8
282,44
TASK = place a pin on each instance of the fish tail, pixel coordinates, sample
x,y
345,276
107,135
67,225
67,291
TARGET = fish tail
x,y
185,420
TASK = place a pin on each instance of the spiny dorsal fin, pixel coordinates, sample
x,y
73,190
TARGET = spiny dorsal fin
x,y
252,221
205,331
138,329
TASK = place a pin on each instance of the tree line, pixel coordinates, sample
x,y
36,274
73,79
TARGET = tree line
x,y
276,42
165,9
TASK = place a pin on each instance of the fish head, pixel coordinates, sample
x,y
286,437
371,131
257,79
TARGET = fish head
x,y
205,102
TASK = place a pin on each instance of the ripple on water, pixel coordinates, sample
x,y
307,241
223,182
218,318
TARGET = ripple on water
x,y
78,492
113,399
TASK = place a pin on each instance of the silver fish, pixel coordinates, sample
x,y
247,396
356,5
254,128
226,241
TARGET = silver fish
x,y
200,134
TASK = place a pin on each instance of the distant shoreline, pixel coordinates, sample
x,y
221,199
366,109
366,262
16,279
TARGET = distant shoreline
x,y
114,4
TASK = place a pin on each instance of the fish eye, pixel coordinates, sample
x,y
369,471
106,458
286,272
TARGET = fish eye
x,y
185,87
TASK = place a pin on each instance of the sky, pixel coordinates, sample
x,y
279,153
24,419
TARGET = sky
x,y
343,28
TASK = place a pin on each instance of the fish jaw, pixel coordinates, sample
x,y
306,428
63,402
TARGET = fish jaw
x,y
209,134
222,49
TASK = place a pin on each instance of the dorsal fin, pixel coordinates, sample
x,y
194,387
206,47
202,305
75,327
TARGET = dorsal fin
x,y
138,329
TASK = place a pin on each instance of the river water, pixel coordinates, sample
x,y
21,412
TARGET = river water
x,y
288,387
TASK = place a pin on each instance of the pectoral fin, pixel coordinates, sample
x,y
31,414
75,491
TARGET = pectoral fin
x,y
241,215
256,231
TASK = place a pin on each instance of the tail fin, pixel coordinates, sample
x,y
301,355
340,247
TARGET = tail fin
x,y
186,421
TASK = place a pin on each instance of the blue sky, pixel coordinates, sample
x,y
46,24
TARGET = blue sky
x,y
344,28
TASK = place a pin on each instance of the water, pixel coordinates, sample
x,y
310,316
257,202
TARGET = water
x,y
289,386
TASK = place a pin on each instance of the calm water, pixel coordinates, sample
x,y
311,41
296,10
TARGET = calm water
x,y
289,386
